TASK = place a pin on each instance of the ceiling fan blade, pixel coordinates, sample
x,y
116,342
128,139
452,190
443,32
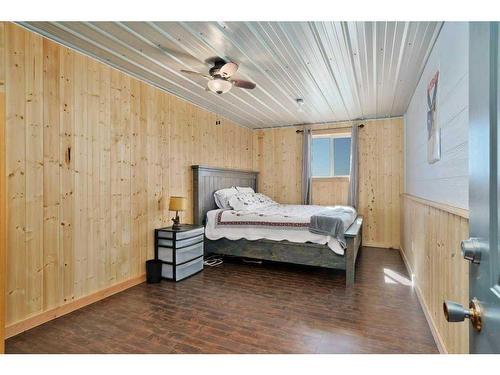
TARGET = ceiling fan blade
x,y
228,69
243,84
190,72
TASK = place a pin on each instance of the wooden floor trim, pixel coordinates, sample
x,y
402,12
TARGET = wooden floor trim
x,y
31,322
435,334
440,206
379,245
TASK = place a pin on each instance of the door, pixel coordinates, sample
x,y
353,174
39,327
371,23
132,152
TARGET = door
x,y
481,249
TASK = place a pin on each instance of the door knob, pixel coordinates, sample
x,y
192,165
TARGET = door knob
x,y
471,250
455,312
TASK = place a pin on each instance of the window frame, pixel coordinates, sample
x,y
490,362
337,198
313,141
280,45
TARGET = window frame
x,y
331,168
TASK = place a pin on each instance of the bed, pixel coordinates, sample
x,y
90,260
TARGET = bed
x,y
323,253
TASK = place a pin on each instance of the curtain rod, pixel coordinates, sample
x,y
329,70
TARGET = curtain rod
x,y
340,127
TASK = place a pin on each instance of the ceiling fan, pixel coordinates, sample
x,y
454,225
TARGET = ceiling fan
x,y
219,77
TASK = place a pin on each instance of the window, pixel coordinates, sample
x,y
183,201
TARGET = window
x,y
331,155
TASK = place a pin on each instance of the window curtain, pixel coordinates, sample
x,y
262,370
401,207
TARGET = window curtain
x,y
352,197
306,166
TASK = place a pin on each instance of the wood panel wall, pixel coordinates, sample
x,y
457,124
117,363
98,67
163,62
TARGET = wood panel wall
x,y
330,191
93,156
278,157
431,235
3,185
381,181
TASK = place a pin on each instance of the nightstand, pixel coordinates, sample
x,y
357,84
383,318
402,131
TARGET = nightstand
x,y
180,251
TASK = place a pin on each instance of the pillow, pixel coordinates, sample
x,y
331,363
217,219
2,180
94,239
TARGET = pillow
x,y
222,197
244,189
249,201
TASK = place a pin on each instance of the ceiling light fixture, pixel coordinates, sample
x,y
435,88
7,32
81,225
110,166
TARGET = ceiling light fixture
x,y
219,85
222,24
300,103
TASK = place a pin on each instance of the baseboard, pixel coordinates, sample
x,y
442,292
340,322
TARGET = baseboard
x,y
379,245
33,321
435,333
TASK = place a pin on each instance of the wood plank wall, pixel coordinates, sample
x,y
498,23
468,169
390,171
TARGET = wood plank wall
x,y
93,156
278,157
330,191
430,243
3,185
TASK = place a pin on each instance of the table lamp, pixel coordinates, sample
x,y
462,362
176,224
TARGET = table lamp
x,y
177,204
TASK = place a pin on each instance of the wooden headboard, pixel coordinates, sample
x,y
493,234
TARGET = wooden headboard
x,y
207,180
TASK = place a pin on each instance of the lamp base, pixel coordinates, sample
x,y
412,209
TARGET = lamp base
x,y
176,225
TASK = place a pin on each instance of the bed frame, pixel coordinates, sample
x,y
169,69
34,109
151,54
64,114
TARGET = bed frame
x,y
207,180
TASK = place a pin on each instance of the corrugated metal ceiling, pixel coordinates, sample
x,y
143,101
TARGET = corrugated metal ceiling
x,y
342,70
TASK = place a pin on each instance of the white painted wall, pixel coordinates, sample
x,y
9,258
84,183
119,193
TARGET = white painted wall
x,y
445,181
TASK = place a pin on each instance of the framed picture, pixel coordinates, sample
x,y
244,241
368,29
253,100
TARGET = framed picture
x,y
433,130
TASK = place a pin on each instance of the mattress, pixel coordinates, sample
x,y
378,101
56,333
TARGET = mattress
x,y
276,222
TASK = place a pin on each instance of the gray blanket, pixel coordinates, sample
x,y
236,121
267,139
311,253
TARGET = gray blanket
x,y
329,223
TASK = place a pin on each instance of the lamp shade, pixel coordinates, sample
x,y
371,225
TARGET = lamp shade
x,y
177,204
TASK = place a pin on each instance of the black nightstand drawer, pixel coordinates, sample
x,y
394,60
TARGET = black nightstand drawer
x,y
180,250
168,234
180,243
182,255
183,270
191,233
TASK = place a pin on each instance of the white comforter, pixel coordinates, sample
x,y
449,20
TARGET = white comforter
x,y
275,222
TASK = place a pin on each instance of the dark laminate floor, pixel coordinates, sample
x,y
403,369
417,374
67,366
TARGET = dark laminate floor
x,y
242,308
